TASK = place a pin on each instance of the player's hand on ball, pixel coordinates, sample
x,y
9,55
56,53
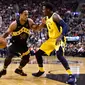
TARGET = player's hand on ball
x,y
3,42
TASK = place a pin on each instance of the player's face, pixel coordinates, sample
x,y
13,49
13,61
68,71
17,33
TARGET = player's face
x,y
45,11
24,15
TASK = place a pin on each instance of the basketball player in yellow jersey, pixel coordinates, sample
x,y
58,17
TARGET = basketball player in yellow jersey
x,y
57,29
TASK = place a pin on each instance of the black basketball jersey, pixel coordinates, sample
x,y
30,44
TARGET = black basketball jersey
x,y
21,33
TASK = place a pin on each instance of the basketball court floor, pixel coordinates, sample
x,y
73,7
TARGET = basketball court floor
x,y
56,74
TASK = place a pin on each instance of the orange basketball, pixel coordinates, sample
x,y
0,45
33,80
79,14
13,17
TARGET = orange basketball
x,y
3,42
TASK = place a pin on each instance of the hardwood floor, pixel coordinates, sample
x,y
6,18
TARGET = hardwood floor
x,y
56,74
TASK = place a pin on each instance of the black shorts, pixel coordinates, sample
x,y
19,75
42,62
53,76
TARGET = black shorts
x,y
14,50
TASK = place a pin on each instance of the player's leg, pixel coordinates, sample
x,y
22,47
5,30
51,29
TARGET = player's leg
x,y
64,62
7,61
23,62
39,59
46,48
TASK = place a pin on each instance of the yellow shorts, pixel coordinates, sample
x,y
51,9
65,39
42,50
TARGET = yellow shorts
x,y
49,45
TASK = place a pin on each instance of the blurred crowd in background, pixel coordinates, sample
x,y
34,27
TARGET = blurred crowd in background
x,y
73,12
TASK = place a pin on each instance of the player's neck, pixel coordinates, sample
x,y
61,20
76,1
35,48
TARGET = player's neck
x,y
22,22
50,14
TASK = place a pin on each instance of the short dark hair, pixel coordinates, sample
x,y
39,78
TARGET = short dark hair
x,y
21,9
48,5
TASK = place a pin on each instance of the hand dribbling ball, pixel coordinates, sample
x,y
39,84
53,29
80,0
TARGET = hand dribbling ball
x,y
3,42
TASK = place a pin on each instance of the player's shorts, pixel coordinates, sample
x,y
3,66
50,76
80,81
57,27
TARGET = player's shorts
x,y
49,45
14,50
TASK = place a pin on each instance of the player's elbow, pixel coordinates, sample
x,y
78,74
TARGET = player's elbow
x,y
64,26
65,29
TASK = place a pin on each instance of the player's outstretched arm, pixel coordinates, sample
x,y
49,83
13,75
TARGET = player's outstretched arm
x,y
36,27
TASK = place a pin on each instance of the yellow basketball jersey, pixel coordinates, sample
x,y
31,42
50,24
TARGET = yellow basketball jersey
x,y
53,30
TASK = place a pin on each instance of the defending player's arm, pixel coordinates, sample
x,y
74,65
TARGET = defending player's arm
x,y
61,22
10,29
36,27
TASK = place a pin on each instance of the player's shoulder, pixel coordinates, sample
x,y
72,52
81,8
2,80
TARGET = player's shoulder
x,y
55,14
13,24
30,20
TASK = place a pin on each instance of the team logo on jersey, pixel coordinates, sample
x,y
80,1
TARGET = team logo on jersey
x,y
23,36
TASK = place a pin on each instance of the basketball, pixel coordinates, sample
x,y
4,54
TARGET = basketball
x,y
3,42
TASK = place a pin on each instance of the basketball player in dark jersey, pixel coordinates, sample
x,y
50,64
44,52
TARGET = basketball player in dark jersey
x,y
19,30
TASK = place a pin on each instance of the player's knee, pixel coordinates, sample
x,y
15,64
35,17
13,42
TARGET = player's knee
x,y
59,53
8,58
7,61
26,58
39,53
